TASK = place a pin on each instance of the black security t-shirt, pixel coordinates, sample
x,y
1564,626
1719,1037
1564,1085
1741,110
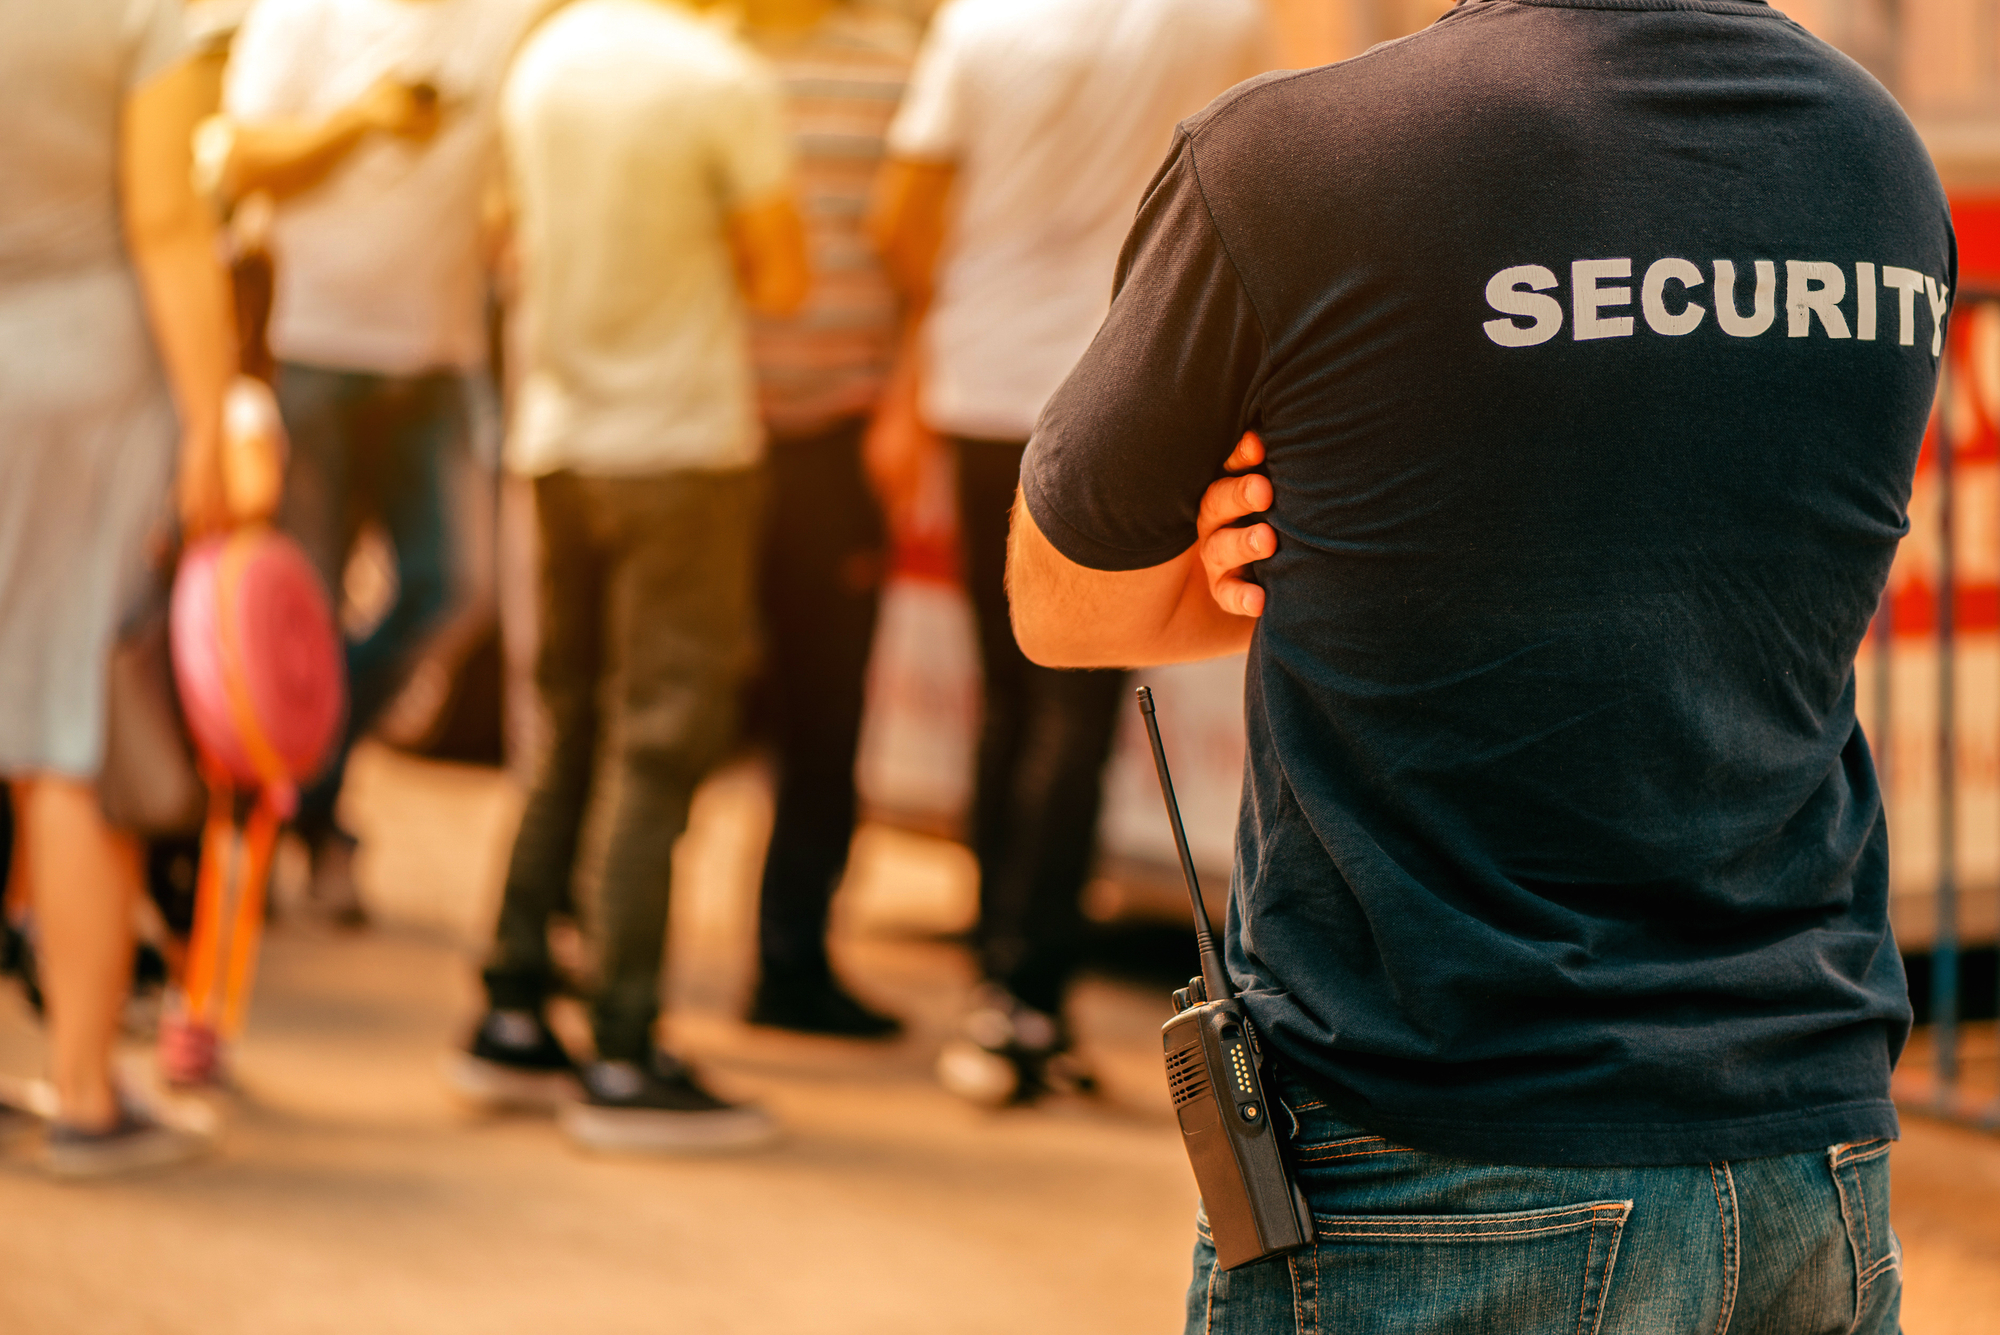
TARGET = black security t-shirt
x,y
1591,342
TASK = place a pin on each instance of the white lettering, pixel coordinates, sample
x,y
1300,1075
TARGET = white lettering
x,y
1653,291
1764,306
1803,300
1586,298
1907,282
1937,292
1504,294
1864,301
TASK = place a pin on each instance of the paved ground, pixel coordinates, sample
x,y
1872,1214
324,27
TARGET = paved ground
x,y
354,1196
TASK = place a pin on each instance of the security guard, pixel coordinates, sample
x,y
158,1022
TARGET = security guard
x,y
1587,346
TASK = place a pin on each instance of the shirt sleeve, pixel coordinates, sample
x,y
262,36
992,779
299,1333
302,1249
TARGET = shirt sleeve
x,y
157,38
754,155
930,124
262,81
1115,471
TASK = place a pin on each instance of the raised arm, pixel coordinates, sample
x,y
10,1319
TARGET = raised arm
x,y
171,236
288,157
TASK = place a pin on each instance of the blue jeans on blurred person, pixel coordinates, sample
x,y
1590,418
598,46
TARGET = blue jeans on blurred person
x,y
1409,1242
368,447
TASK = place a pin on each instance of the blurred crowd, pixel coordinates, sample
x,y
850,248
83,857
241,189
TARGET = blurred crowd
x,y
724,285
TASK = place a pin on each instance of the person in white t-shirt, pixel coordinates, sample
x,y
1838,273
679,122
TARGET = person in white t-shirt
x,y
372,124
650,172
1018,159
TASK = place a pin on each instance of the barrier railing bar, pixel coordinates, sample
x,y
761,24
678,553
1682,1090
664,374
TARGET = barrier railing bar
x,y
1944,948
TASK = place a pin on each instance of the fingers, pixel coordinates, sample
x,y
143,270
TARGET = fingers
x,y
1227,552
1239,596
1232,548
1249,452
1230,499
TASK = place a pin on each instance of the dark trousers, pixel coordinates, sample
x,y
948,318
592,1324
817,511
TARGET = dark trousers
x,y
1043,741
371,447
825,550
646,631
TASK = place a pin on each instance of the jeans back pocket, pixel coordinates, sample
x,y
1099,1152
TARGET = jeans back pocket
x,y
1528,1272
1861,1177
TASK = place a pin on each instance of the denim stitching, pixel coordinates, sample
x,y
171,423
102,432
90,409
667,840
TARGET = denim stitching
x,y
1610,1265
1722,1230
1351,1140
1318,1289
1298,1313
1352,1154
1735,1250
1835,1168
1875,1271
1853,1154
1208,1307
1391,1230
1867,1228
1308,1107
1589,1255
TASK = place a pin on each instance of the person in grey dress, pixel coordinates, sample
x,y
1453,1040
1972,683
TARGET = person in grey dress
x,y
115,339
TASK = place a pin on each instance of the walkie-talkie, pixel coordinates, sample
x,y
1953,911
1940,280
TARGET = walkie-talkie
x,y
1254,1207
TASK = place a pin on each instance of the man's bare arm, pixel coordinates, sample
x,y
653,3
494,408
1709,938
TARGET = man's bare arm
x,y
171,236
772,267
289,157
1198,605
906,220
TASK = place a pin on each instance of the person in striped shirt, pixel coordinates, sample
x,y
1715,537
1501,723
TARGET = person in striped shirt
x,y
821,373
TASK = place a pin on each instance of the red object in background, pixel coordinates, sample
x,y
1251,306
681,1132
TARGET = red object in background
x,y
257,659
1976,220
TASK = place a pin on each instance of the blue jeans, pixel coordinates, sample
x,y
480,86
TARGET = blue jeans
x,y
1411,1242
372,447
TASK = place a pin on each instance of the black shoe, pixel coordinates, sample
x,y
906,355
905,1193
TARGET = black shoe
x,y
514,1061
814,1003
1007,1052
658,1107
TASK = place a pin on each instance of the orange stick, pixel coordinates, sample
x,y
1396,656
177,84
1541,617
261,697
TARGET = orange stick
x,y
211,889
259,840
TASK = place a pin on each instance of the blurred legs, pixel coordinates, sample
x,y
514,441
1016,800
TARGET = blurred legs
x,y
83,879
646,600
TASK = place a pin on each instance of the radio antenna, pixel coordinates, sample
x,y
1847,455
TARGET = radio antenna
x,y
1214,978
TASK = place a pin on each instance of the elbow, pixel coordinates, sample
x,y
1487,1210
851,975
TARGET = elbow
x,y
1038,639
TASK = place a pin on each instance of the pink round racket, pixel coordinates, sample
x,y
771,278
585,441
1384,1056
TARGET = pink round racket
x,y
257,659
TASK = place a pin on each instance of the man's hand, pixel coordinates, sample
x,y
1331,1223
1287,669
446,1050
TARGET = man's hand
x,y
405,110
286,158
898,446
1226,552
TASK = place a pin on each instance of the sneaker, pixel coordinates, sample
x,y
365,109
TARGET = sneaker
x,y
659,1108
514,1061
331,894
138,1141
809,1003
1007,1052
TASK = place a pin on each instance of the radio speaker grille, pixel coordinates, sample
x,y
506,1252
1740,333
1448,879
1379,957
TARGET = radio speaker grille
x,y
1187,1075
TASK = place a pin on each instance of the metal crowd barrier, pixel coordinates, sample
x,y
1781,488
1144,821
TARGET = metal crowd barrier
x,y
1945,825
